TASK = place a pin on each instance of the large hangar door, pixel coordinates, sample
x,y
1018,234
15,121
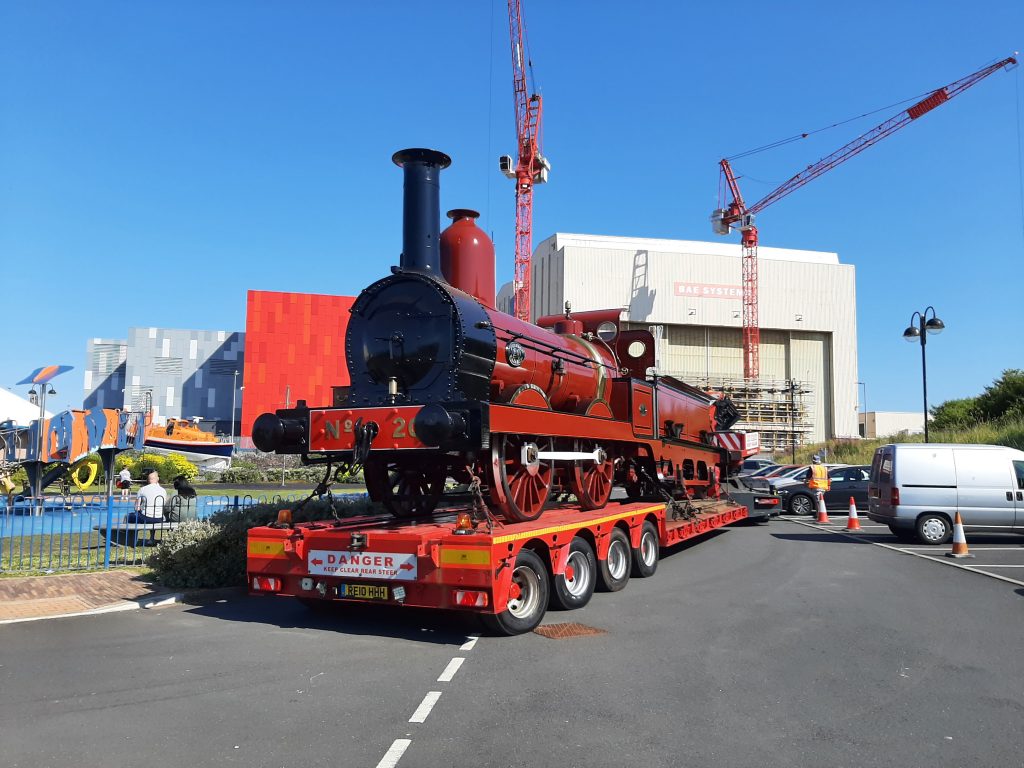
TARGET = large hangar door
x,y
809,362
684,351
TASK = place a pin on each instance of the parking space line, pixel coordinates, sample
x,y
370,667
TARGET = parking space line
x,y
394,753
951,564
994,565
975,549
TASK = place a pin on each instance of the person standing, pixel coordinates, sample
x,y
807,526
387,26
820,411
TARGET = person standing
x,y
124,482
817,476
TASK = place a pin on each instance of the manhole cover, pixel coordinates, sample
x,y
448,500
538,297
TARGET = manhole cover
x,y
566,631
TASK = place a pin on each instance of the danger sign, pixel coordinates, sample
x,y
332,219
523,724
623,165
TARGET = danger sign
x,y
396,566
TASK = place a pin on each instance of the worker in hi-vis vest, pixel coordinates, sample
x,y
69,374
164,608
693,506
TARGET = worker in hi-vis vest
x,y
817,476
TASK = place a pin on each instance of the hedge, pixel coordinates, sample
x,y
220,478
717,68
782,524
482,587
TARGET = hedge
x,y
169,466
211,553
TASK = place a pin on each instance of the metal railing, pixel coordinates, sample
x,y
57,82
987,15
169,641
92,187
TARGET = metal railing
x,y
90,532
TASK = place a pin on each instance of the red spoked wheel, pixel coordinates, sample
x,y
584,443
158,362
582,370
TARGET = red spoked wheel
x,y
406,490
521,481
590,481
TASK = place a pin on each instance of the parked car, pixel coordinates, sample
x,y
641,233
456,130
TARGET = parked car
x,y
917,489
799,499
751,466
761,507
760,480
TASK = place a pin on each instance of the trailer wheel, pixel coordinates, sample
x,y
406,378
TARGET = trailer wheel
x,y
645,557
574,588
531,588
613,571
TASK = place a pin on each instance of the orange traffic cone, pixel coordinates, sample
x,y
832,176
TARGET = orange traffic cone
x,y
959,540
822,514
853,523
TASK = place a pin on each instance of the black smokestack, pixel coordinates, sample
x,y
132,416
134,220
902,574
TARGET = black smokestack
x,y
421,213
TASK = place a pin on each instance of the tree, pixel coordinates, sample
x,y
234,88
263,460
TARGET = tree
x,y
1005,397
955,414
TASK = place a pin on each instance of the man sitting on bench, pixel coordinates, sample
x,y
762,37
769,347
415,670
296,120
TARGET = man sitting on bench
x,y
150,503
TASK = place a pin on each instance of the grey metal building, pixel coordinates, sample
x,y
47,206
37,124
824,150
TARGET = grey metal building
x,y
688,293
183,373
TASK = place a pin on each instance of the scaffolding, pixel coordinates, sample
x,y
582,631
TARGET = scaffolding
x,y
780,410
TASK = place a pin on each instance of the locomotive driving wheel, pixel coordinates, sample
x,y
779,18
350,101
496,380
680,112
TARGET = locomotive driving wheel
x,y
521,480
406,490
591,481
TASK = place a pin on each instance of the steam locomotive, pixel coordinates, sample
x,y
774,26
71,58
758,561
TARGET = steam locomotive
x,y
444,385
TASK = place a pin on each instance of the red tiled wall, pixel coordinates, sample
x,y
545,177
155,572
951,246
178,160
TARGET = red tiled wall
x,y
292,340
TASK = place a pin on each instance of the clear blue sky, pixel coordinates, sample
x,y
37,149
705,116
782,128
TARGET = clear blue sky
x,y
158,159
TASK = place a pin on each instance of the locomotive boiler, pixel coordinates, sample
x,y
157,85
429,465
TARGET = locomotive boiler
x,y
443,385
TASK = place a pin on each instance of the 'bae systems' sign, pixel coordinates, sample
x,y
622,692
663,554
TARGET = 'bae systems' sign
x,y
708,291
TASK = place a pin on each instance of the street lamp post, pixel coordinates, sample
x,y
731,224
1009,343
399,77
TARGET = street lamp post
x,y
864,406
920,326
234,391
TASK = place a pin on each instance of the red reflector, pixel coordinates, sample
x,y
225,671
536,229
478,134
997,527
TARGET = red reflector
x,y
266,584
772,501
469,599
895,497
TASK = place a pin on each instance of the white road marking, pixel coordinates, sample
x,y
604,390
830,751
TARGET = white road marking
x,y
470,642
394,753
968,568
994,565
973,548
420,715
450,670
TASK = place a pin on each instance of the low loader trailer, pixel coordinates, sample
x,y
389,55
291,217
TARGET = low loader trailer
x,y
508,573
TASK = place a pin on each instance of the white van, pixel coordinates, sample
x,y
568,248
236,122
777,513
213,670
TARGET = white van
x,y
916,489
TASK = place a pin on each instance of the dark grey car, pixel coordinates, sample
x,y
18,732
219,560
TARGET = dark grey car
x,y
798,499
760,506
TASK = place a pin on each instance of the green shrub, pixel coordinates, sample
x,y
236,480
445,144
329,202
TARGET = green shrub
x,y
241,474
169,466
211,553
190,556
175,464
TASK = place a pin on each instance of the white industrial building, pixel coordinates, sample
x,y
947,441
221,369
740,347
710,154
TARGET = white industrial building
x,y
875,424
689,294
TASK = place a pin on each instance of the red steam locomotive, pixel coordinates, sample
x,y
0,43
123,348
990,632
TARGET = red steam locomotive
x,y
444,385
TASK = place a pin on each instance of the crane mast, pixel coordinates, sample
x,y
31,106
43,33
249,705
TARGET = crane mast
x,y
737,215
529,167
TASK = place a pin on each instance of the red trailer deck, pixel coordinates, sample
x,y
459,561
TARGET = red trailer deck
x,y
509,574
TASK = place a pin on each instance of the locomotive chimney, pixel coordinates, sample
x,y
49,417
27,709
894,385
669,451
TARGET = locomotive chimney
x,y
421,212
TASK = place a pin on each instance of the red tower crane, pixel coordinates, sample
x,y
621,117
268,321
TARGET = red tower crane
x,y
738,215
529,167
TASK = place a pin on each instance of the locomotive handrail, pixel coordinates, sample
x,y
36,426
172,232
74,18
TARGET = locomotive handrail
x,y
555,351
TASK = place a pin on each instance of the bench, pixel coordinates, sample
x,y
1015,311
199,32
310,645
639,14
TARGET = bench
x,y
122,532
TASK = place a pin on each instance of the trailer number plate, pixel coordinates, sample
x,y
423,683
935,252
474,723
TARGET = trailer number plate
x,y
363,591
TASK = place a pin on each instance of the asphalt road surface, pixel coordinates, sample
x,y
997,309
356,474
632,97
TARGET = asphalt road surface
x,y
774,645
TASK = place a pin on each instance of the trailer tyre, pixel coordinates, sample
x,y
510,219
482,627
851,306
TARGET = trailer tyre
x,y
613,571
574,588
531,586
645,557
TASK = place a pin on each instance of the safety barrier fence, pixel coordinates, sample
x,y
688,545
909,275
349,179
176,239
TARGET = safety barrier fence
x,y
88,532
